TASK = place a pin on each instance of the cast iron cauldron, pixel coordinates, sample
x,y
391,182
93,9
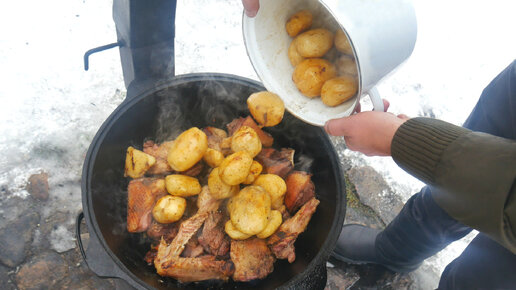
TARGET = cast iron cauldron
x,y
200,100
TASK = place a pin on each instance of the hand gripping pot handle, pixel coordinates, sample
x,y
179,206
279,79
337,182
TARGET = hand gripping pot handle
x,y
376,100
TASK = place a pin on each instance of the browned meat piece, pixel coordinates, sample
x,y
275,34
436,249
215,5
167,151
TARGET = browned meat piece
x,y
167,231
194,170
276,162
215,136
205,202
159,152
285,215
213,237
192,249
282,241
265,137
186,231
151,255
300,189
191,269
252,259
142,195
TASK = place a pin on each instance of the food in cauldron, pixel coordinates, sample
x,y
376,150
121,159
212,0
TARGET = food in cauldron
x,y
220,205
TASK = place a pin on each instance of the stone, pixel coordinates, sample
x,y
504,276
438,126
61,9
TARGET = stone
x,y
38,186
42,272
15,239
5,280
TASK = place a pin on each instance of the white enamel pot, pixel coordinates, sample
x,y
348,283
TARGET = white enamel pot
x,y
382,34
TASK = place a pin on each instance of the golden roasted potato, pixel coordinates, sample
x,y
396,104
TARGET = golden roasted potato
x,y
182,185
338,90
254,172
235,168
188,149
169,209
275,186
346,66
299,22
314,42
342,42
249,210
219,189
310,75
294,56
137,162
234,233
275,220
266,108
213,157
246,139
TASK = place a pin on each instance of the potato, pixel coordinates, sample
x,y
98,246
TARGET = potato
x,y
275,186
254,172
266,108
169,209
235,168
314,42
225,146
310,75
246,139
299,22
342,43
346,66
275,220
338,90
218,189
249,210
213,157
234,233
137,162
188,149
294,56
182,185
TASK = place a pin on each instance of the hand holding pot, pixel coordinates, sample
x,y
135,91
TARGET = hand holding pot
x,y
368,132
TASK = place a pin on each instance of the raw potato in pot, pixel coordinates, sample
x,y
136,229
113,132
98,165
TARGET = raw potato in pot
x,y
218,189
137,162
294,56
246,139
235,168
299,22
249,210
182,185
169,209
342,42
266,108
314,42
338,90
310,75
188,149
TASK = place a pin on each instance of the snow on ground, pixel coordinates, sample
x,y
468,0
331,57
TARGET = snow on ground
x,y
51,108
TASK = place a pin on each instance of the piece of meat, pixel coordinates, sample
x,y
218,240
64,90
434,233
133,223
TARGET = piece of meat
x,y
213,238
142,195
160,152
252,258
300,189
168,231
265,137
276,162
205,202
215,137
187,229
285,215
192,249
282,241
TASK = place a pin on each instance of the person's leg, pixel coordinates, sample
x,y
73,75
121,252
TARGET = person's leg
x,y
484,264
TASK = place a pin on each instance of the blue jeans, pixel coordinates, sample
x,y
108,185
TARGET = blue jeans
x,y
422,228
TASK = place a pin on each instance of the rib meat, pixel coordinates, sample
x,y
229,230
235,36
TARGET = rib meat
x,y
282,241
300,189
167,231
160,152
252,259
213,237
276,162
142,195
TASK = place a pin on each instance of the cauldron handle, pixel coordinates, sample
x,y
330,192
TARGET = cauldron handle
x,y
99,261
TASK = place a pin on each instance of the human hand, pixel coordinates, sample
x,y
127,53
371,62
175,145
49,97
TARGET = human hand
x,y
251,7
368,132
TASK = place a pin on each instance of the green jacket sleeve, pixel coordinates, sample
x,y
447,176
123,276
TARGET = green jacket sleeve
x,y
472,174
